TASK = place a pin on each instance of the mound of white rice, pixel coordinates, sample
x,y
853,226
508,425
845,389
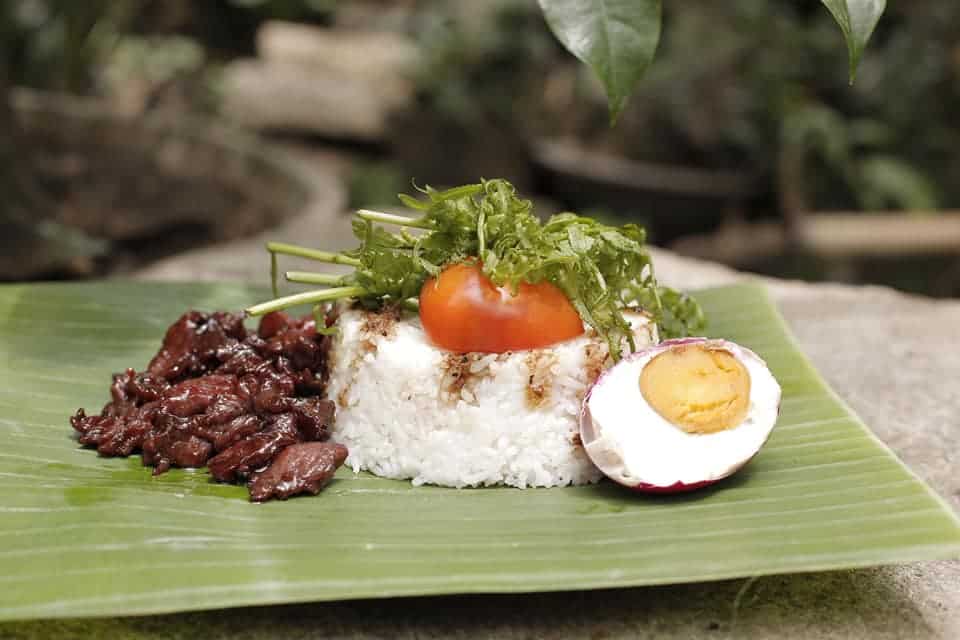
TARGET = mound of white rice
x,y
406,409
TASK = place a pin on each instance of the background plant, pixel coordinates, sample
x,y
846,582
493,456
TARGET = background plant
x,y
618,38
745,85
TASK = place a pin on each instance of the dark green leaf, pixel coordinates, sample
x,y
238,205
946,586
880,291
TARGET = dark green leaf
x,y
857,19
617,38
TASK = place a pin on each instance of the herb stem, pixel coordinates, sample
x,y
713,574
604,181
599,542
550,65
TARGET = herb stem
x,y
308,297
273,274
307,277
311,254
389,218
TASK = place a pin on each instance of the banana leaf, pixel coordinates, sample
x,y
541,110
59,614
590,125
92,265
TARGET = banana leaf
x,y
82,535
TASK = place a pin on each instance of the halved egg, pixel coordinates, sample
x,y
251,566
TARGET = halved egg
x,y
679,415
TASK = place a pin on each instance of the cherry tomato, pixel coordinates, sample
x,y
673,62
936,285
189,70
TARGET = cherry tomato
x,y
463,310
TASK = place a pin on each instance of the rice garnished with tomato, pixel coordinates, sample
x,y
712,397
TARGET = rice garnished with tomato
x,y
516,317
408,410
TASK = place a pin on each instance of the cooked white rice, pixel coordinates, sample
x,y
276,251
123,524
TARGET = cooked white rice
x,y
406,409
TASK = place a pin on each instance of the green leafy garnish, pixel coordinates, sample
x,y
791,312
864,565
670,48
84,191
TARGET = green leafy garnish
x,y
603,270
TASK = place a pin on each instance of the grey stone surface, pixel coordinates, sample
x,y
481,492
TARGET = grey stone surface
x,y
339,83
894,358
374,55
322,223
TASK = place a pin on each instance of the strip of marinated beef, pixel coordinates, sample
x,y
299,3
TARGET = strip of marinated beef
x,y
114,435
191,344
301,468
314,416
218,395
256,451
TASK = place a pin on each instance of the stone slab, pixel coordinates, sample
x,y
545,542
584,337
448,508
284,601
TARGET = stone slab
x,y
894,358
337,83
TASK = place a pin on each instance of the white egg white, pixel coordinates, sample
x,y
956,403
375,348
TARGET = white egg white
x,y
634,445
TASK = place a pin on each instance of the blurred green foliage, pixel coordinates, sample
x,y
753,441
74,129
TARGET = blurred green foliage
x,y
375,183
482,59
617,39
740,83
65,44
55,44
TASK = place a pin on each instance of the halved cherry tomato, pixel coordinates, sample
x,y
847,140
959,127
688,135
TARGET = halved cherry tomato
x,y
463,310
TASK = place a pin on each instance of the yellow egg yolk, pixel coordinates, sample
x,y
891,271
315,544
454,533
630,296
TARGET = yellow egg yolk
x,y
697,388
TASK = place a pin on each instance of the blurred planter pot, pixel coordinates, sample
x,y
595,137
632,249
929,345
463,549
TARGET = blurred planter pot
x,y
151,185
670,200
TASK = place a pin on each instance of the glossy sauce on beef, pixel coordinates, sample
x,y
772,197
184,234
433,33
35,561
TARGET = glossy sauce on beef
x,y
305,467
248,405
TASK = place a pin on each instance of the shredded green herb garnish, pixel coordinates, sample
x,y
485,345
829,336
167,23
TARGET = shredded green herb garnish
x,y
603,270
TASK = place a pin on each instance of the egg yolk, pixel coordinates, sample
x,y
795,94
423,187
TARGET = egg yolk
x,y
697,388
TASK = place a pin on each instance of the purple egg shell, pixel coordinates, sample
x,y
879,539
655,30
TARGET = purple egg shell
x,y
676,487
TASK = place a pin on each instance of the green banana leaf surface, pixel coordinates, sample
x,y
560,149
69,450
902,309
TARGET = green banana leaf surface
x,y
82,535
